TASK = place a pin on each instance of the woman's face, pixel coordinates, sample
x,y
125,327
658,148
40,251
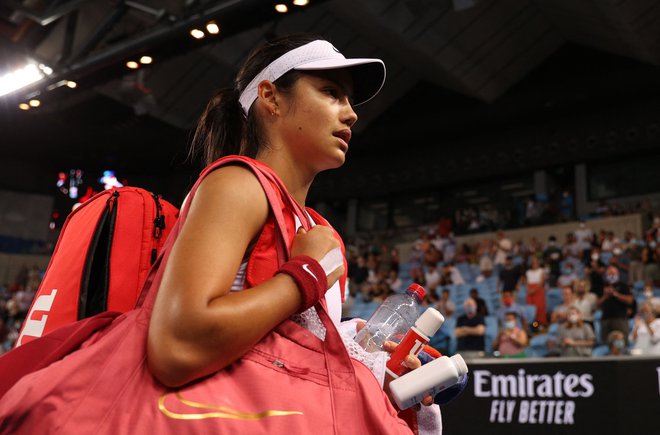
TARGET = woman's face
x,y
317,117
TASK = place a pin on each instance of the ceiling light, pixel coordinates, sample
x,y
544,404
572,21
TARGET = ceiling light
x,y
35,103
132,64
301,2
197,34
71,84
20,78
46,69
212,28
146,60
281,8
24,106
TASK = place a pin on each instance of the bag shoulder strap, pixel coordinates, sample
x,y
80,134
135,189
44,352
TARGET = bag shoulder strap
x,y
265,177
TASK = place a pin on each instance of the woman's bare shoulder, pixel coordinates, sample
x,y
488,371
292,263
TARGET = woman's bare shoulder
x,y
234,193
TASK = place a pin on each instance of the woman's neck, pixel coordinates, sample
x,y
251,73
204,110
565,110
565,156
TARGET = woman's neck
x,y
294,176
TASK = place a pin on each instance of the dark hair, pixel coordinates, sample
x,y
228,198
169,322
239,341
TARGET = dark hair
x,y
222,129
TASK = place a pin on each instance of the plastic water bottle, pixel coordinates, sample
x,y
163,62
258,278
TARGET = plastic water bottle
x,y
392,319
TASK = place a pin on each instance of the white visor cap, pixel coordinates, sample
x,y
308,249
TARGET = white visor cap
x,y
368,74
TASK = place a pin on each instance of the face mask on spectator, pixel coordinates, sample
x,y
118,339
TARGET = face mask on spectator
x,y
619,344
648,294
567,270
510,324
573,318
612,278
470,309
616,251
507,300
594,256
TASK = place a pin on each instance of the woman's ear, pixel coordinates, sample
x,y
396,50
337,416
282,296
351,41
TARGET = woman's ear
x,y
267,93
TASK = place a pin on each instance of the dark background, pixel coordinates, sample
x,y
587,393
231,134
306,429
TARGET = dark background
x,y
477,90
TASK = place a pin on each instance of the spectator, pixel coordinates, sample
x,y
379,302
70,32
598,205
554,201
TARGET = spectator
x,y
584,237
432,277
648,296
568,275
394,282
560,313
482,309
614,303
445,305
535,279
616,342
510,276
470,329
417,276
358,272
576,338
552,257
585,301
608,243
621,261
509,305
504,247
649,260
511,340
485,268
634,252
594,273
646,332
566,206
572,249
432,255
451,275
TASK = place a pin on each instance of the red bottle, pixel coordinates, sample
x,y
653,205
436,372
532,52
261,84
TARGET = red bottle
x,y
414,341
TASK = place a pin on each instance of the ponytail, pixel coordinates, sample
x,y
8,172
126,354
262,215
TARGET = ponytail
x,y
221,128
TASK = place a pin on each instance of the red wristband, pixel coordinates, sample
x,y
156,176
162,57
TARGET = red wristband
x,y
310,278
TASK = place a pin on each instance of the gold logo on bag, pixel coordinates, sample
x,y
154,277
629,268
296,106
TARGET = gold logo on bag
x,y
218,411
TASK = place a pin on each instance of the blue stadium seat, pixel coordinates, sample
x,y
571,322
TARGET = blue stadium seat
x,y
522,295
605,257
538,346
552,298
362,309
601,350
448,329
530,312
491,332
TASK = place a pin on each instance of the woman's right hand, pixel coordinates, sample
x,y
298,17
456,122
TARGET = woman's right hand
x,y
316,243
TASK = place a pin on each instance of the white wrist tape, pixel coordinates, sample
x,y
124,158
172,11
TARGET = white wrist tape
x,y
332,261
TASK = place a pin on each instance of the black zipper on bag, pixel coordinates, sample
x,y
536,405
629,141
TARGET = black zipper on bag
x,y
159,226
96,272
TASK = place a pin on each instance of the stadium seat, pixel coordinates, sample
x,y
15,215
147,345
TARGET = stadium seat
x,y
552,298
530,312
538,346
491,333
601,350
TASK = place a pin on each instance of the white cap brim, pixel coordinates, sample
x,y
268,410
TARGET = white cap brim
x,y
368,74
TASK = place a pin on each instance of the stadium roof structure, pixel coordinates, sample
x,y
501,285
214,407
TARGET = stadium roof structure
x,y
475,84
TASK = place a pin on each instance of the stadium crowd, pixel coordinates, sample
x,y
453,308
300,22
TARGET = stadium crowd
x,y
591,293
